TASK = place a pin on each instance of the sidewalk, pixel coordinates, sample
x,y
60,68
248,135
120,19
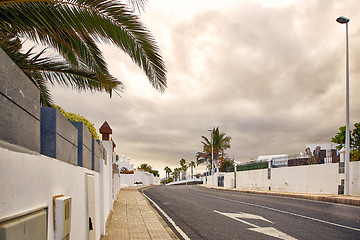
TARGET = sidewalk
x,y
134,218
349,200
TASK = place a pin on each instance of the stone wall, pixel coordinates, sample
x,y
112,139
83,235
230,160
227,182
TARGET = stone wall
x,y
20,106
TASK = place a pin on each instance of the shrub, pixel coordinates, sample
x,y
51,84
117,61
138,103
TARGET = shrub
x,y
74,117
252,166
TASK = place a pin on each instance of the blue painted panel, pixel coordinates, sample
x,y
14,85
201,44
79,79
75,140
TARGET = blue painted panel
x,y
48,131
79,126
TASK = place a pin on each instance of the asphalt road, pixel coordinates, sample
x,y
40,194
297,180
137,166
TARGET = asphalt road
x,y
203,213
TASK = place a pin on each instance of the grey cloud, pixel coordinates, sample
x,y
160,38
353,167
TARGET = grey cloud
x,y
271,78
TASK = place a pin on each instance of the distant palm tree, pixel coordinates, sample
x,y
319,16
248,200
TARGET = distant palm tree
x,y
183,168
219,142
192,165
73,28
145,166
176,173
168,171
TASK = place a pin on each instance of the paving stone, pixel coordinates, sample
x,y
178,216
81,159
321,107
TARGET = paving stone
x,y
134,218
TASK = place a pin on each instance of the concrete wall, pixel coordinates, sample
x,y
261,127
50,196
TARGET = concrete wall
x,y
319,178
20,106
229,180
255,179
354,178
30,180
127,180
156,181
59,138
105,182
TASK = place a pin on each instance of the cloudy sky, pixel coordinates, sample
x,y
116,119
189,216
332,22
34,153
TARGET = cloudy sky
x,y
270,74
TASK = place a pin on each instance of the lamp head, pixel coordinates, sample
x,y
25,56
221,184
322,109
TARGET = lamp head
x,y
342,20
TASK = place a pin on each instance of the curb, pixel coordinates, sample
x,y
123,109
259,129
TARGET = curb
x,y
348,200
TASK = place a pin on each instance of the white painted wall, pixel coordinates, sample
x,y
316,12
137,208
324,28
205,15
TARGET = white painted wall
x,y
355,178
106,181
127,180
229,180
142,176
255,179
319,178
156,181
29,181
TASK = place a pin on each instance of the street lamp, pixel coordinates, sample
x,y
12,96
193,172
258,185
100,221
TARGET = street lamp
x,y
212,152
345,20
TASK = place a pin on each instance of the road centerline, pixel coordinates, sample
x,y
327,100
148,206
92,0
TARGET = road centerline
x,y
281,211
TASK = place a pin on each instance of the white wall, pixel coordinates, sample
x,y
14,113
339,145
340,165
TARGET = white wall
x,y
355,178
229,180
156,181
30,181
127,180
319,178
106,185
255,179
142,176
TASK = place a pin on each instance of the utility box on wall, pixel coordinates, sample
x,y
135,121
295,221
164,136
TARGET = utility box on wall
x,y
28,226
62,217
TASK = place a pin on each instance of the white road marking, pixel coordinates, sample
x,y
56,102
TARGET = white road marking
x,y
270,231
290,213
245,215
168,218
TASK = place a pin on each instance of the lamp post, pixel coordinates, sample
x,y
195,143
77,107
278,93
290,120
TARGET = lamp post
x,y
344,20
212,152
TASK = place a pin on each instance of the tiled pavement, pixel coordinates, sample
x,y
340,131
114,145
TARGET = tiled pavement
x,y
134,218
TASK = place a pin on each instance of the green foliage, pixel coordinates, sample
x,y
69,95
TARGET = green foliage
x,y
252,166
148,168
74,28
197,175
217,144
355,155
182,162
155,173
74,117
145,166
176,173
226,164
169,180
339,138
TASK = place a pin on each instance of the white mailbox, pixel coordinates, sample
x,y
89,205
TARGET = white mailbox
x,y
62,217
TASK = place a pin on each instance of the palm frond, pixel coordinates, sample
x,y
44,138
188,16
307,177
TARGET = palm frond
x,y
72,27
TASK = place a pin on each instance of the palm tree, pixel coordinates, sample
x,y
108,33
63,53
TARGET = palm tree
x,y
73,28
183,167
145,166
220,142
176,173
168,171
192,165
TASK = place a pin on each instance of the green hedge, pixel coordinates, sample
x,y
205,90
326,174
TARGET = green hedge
x,y
252,166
